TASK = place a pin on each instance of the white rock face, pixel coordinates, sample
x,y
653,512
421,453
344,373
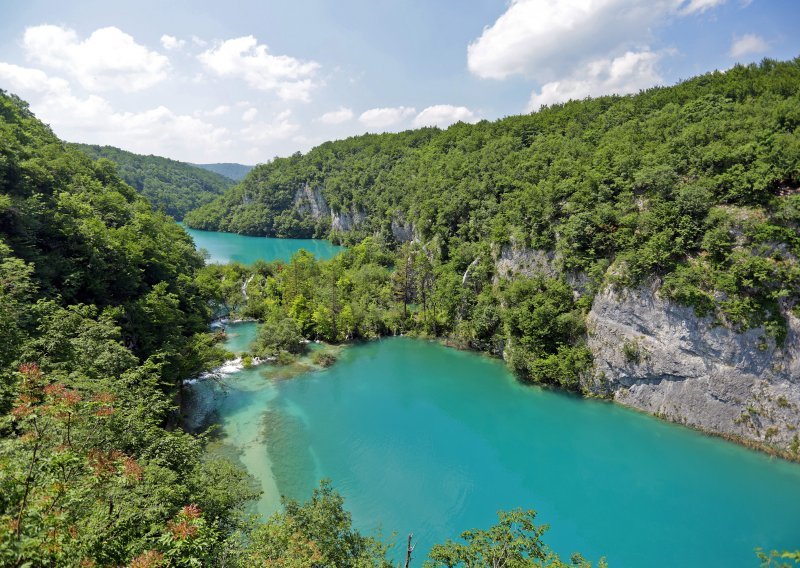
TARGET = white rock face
x,y
654,355
403,232
347,220
515,260
311,201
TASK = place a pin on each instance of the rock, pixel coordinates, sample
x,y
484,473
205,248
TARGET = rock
x,y
403,232
659,357
347,220
516,260
311,202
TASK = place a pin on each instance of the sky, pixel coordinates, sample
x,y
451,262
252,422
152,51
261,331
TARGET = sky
x,y
203,81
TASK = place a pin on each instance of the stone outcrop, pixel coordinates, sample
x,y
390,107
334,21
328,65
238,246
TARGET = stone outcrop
x,y
515,260
659,357
311,202
402,231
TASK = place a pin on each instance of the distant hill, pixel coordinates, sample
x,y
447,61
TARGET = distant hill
x,y
172,186
235,172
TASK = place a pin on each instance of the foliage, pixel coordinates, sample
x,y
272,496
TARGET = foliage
x,y
515,542
694,184
170,186
101,319
316,533
776,559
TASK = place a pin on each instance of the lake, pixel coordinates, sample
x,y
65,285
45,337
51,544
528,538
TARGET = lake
x,y
425,439
230,247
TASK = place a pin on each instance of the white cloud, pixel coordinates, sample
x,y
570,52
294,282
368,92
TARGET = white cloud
x,y
444,115
699,6
542,38
108,59
628,73
384,117
281,127
218,111
245,58
171,42
250,114
342,114
748,44
94,120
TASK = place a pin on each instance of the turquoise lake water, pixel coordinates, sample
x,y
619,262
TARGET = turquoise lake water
x,y
424,439
230,247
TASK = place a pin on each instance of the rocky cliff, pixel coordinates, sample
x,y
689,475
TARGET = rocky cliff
x,y
310,201
659,357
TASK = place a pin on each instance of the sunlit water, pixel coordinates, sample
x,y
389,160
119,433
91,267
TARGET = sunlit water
x,y
230,247
424,439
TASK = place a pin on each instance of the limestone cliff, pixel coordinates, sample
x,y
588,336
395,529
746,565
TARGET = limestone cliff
x,y
654,355
660,357
310,201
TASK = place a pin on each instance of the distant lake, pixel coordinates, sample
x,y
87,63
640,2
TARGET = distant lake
x,y
230,247
425,439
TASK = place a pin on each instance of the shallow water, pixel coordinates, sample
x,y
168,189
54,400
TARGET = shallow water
x,y
420,438
230,247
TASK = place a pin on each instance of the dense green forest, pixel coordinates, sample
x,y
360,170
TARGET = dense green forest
x,y
170,186
104,312
236,172
693,187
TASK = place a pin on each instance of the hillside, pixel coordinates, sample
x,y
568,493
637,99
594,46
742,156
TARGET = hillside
x,y
170,186
575,241
236,172
101,319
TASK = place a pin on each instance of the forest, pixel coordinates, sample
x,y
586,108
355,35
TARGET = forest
x,y
693,188
104,313
106,304
170,186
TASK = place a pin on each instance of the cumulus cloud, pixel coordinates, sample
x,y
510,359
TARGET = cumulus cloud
x,y
93,119
244,58
342,114
250,114
628,73
108,59
748,44
385,117
218,111
171,42
541,38
281,127
443,115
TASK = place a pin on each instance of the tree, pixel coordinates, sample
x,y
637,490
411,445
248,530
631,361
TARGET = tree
x,y
515,542
312,535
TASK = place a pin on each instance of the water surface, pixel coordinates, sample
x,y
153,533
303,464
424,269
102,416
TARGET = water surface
x,y
230,247
420,438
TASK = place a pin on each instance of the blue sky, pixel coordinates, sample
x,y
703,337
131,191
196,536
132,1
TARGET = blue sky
x,y
245,81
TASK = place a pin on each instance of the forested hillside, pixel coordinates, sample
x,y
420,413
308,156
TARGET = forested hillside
x,y
104,312
236,172
101,319
170,186
501,235
694,183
